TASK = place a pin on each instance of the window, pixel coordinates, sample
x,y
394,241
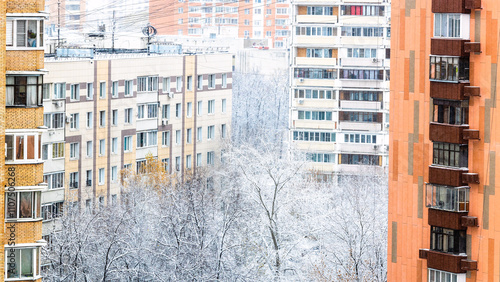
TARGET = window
x,y
102,118
52,211
129,86
128,116
90,91
320,157
166,112
24,33
23,147
147,83
320,11
223,105
199,134
200,82
199,108
451,112
45,151
361,74
165,138
114,117
361,10
27,262
443,276
140,111
270,22
46,91
114,89
88,178
360,138
54,180
177,137
315,115
178,110
75,92
89,149
74,151
152,110
210,157
74,180
114,145
166,164
189,137
114,200
359,117
59,90
268,33
189,109
199,159
313,93
101,202
315,73
89,119
166,84
74,121
152,138
53,120
210,132
281,11
188,161
314,136
177,163
247,22
448,240
448,25
57,150
180,10
247,11
178,84
102,147
147,138
441,197
23,91
361,53
21,205
114,173
354,159
223,131
189,83
449,68
101,176
361,95
449,154
211,81
88,205
211,106
102,90
127,143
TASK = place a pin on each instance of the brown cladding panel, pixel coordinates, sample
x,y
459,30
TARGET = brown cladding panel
x,y
450,91
448,47
445,261
472,91
472,4
441,132
446,175
449,6
472,47
446,219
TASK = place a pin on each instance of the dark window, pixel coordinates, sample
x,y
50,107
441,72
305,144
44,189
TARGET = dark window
x,y
360,117
24,91
315,73
356,159
449,154
388,53
361,74
361,95
447,240
449,68
451,112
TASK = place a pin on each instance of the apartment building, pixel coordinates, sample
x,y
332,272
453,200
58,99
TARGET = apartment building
x,y
443,148
21,129
339,98
107,114
256,19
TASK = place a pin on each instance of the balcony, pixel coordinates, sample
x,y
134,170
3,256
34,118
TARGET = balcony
x,y
448,90
449,47
447,262
446,175
316,19
308,61
362,105
451,6
362,126
451,220
449,133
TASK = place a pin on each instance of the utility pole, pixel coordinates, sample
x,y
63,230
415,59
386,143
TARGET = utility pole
x,y
58,23
113,34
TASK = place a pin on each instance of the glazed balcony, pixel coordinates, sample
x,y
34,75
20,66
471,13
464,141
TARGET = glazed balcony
x,y
451,176
448,90
455,6
449,47
451,220
447,261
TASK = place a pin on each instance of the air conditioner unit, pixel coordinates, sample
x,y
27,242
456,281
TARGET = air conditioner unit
x,y
301,79
301,101
58,104
164,121
69,119
170,94
386,125
375,147
375,60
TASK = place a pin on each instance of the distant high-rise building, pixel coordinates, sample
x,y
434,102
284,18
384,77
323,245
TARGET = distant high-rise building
x,y
260,19
339,96
443,148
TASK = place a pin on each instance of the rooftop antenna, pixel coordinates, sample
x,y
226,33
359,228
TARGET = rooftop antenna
x,y
149,31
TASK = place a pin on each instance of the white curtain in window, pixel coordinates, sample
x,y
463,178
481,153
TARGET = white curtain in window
x,y
10,91
9,35
31,97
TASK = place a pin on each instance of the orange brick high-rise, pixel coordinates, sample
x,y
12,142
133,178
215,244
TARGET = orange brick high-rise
x,y
444,216
21,127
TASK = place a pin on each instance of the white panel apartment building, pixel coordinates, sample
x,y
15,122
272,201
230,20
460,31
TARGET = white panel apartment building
x,y
339,108
107,114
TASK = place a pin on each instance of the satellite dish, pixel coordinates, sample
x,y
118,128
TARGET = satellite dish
x,y
149,30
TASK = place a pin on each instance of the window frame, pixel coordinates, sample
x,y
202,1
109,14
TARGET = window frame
x,y
14,25
21,100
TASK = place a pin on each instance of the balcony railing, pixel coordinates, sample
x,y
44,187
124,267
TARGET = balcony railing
x,y
447,262
449,47
449,133
451,220
448,90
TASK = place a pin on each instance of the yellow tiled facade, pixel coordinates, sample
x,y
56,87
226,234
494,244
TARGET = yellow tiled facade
x,y
21,121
